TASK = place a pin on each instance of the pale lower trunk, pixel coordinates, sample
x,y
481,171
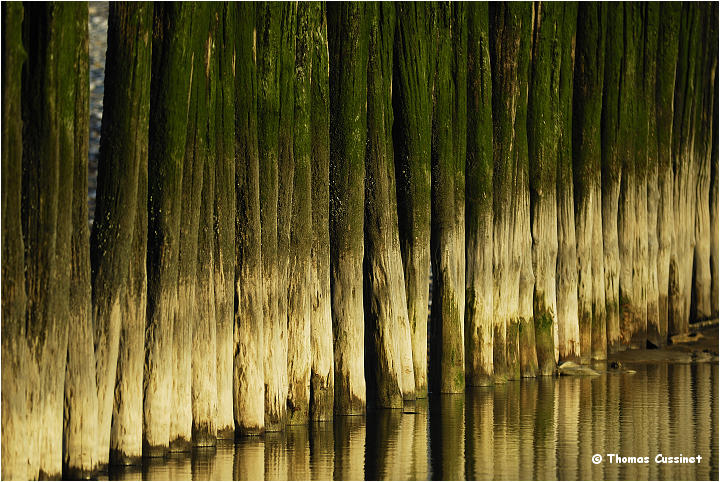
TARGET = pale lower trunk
x,y
584,211
224,301
611,254
80,417
417,277
248,372
204,355
714,236
479,304
665,228
348,333
181,401
275,356
526,286
641,273
108,320
599,326
50,417
568,329
544,256
322,376
127,422
627,263
298,353
158,374
653,316
702,278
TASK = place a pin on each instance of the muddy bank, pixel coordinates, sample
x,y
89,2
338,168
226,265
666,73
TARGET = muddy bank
x,y
698,346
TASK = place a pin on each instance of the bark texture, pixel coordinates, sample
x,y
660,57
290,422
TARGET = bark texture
x,y
543,136
248,332
169,99
587,148
413,71
348,46
322,371
479,204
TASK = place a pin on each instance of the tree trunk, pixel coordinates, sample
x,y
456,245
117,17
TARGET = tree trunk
x,y
610,174
386,338
714,208
412,140
80,406
543,135
298,355
479,204
268,47
683,245
322,377
447,350
201,162
20,450
649,92
348,46
249,349
587,148
48,101
224,219
667,56
286,167
169,100
702,278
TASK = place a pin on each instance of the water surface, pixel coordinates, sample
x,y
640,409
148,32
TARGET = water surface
x,y
544,428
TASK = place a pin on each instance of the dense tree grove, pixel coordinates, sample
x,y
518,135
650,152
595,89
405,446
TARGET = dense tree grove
x,y
279,185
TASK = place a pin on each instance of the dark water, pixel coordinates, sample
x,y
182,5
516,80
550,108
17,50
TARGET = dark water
x,y
545,428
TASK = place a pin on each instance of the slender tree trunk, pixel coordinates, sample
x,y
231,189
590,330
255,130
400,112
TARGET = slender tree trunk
x,y
683,244
194,293
298,355
48,100
20,449
224,219
702,278
447,350
122,175
248,336
587,148
650,54
322,375
568,331
202,158
80,407
388,346
268,51
714,211
479,204
412,135
169,99
667,56
610,173
348,46
286,168
543,135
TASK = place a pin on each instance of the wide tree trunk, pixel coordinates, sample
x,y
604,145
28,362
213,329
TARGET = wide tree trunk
x,y
650,54
543,136
587,148
248,335
322,371
414,72
224,218
80,406
298,355
388,359
479,204
348,46
568,331
714,211
667,56
20,449
447,239
48,102
610,173
201,163
172,67
683,244
269,22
